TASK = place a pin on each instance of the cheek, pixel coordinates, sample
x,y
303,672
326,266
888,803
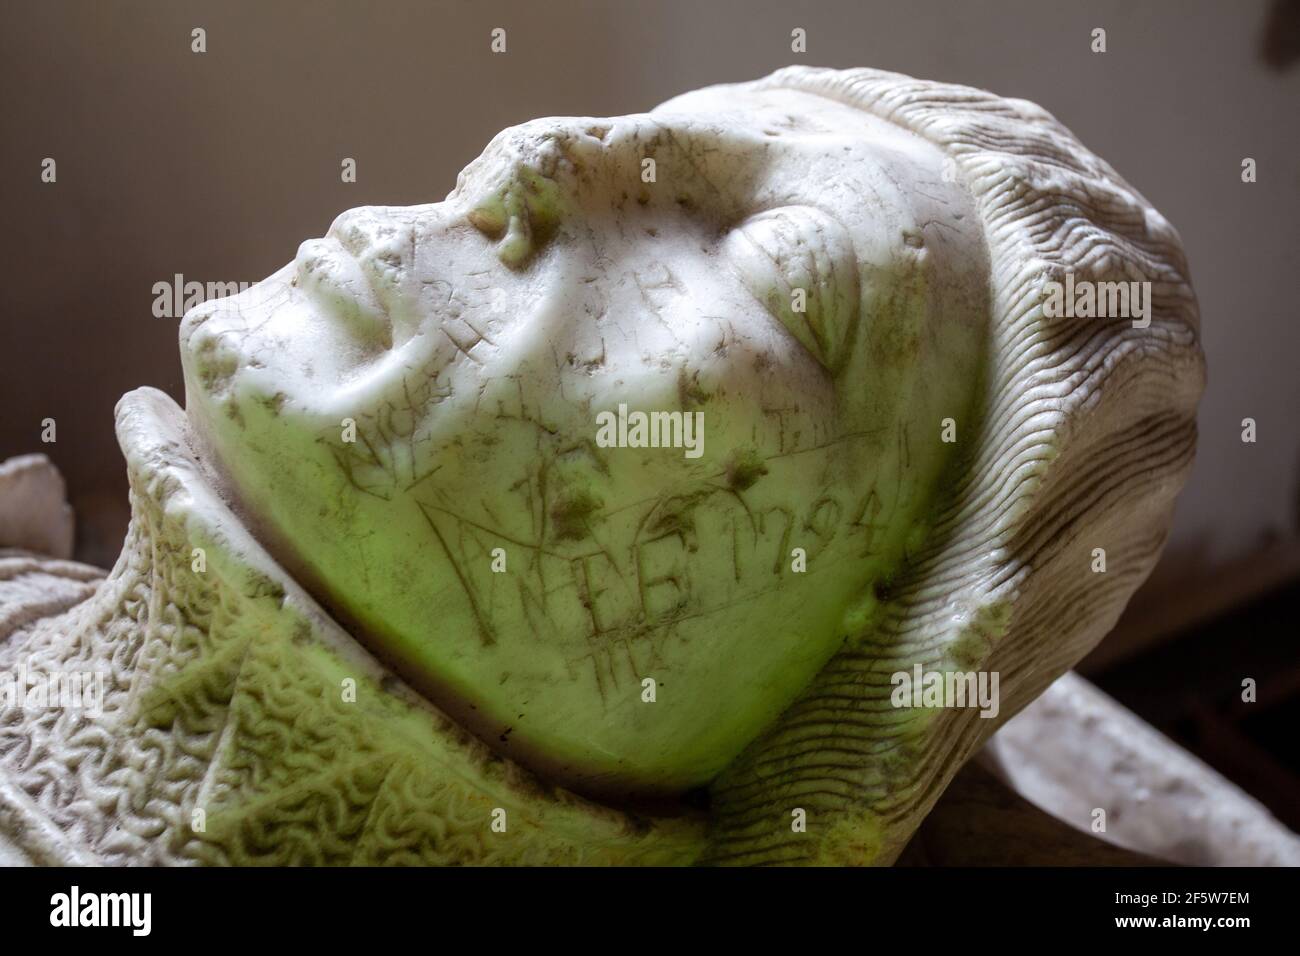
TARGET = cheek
x,y
700,345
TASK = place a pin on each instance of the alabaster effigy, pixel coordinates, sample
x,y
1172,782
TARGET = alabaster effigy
x,y
592,514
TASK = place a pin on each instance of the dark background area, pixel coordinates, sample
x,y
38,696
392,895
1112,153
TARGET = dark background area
x,y
217,165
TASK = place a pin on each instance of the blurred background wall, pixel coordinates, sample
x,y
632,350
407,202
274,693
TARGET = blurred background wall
x,y
217,165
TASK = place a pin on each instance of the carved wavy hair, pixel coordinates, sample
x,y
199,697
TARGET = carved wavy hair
x,y
1086,432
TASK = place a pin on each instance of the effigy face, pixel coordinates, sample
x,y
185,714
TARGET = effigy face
x,y
606,452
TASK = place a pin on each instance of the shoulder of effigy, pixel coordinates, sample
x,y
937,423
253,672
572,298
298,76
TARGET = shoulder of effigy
x,y
35,588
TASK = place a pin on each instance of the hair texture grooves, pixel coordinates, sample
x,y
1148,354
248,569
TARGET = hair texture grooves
x,y
1086,432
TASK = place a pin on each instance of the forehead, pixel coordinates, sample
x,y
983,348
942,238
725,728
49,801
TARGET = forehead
x,y
809,148
794,116
880,180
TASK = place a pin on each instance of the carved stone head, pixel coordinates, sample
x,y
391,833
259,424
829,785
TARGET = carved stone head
x,y
660,445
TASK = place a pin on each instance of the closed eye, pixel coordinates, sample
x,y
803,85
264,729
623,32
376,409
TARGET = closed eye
x,y
800,263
